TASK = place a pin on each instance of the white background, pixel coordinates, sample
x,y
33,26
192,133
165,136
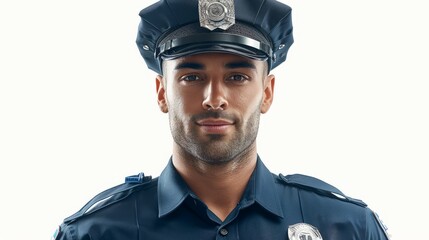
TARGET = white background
x,y
78,110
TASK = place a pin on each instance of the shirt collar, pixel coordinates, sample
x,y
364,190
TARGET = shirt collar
x,y
263,190
172,190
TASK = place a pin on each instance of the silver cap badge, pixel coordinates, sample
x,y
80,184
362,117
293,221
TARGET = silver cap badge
x,y
303,231
216,14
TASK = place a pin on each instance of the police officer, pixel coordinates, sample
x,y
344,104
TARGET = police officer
x,y
213,59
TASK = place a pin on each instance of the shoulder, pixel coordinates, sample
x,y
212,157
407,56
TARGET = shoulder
x,y
108,208
320,200
317,186
111,196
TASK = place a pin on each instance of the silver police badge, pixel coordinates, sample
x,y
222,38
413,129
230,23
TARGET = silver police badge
x,y
303,231
216,14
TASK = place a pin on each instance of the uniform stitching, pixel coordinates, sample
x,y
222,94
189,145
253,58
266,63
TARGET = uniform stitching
x,y
259,10
137,217
300,205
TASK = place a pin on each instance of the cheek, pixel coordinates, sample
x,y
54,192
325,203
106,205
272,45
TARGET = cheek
x,y
183,102
249,99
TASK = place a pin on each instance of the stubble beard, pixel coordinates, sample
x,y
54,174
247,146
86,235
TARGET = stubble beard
x,y
218,149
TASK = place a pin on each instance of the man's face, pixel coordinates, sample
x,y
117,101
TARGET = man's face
x,y
214,101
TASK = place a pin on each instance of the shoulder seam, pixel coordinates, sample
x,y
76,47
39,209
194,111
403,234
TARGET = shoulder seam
x,y
107,198
319,186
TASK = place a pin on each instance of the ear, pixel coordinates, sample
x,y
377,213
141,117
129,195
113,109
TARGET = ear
x,y
160,93
268,93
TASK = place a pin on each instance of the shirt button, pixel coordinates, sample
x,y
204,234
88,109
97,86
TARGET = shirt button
x,y
223,232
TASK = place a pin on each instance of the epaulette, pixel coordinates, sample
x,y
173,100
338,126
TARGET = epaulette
x,y
111,196
319,186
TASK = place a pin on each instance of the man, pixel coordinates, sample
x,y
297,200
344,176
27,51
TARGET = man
x,y
213,58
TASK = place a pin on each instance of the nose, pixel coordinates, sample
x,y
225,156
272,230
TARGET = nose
x,y
215,96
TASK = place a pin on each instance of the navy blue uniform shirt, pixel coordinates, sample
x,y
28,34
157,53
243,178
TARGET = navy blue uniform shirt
x,y
165,208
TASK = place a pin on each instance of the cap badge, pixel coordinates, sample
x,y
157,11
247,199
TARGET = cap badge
x,y
216,14
303,231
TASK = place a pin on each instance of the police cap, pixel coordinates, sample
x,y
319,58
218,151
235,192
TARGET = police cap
x,y
257,29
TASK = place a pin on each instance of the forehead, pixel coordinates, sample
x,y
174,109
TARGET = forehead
x,y
206,60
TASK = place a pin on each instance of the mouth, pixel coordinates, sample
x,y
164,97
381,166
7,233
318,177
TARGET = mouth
x,y
215,126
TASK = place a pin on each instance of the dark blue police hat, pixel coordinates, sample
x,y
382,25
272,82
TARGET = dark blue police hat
x,y
258,29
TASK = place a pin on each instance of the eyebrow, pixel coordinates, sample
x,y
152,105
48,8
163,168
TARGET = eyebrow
x,y
240,64
192,65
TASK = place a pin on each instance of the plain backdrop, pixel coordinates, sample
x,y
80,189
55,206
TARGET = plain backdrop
x,y
78,111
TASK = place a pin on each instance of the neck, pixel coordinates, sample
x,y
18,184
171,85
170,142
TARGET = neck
x,y
219,186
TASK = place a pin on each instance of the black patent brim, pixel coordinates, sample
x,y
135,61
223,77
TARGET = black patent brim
x,y
214,42
213,48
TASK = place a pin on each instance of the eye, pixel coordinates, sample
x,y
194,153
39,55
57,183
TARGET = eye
x,y
238,78
190,78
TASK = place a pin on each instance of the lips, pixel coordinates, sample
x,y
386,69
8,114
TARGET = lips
x,y
215,126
